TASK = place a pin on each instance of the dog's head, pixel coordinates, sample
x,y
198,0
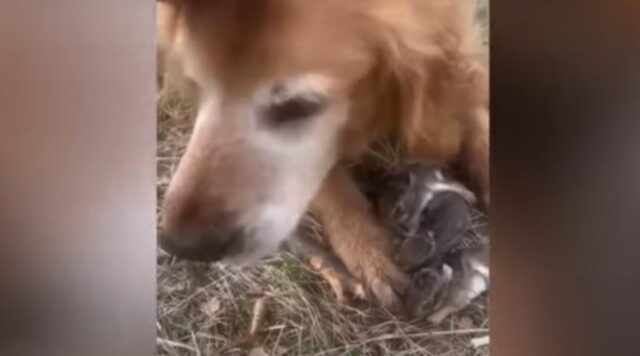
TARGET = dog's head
x,y
281,101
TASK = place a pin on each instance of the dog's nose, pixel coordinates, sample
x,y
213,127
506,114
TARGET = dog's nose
x,y
203,247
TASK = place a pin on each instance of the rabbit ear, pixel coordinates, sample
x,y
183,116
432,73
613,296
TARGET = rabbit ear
x,y
454,187
447,271
412,178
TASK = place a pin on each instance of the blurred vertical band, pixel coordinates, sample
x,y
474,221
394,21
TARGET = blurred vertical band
x,y
77,177
565,82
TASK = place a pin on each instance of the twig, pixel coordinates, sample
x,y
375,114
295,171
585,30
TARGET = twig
x,y
195,343
427,334
409,336
259,313
175,344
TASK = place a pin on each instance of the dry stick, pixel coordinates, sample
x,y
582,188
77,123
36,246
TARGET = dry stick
x,y
277,343
259,313
427,334
174,344
195,343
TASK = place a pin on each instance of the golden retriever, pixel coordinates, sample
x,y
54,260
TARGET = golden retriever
x,y
291,90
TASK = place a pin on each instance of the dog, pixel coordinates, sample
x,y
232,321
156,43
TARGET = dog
x,y
290,93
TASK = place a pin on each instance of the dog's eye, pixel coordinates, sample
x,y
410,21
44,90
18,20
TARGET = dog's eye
x,y
294,109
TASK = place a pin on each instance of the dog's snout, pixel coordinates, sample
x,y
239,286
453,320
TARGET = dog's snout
x,y
194,230
203,246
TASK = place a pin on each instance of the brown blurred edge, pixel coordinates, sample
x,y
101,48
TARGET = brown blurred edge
x,y
565,173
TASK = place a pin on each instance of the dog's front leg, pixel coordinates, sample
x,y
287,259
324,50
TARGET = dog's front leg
x,y
326,264
358,238
475,154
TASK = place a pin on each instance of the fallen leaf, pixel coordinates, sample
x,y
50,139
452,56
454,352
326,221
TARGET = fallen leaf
x,y
175,288
280,350
465,323
258,351
211,307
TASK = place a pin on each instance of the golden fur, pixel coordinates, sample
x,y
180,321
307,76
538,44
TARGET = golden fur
x,y
407,69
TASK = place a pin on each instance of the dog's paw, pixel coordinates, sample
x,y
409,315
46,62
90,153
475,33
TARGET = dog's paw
x,y
339,279
387,284
383,279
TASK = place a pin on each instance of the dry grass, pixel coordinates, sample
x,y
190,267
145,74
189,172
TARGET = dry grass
x,y
208,309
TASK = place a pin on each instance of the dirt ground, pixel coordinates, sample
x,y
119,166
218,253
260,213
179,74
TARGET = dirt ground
x,y
209,309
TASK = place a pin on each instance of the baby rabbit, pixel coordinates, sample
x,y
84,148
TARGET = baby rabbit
x,y
436,292
429,213
432,217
